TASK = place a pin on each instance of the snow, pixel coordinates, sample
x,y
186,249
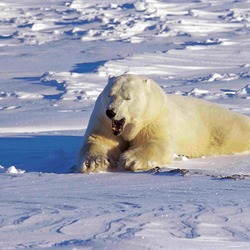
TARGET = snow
x,y
55,58
13,170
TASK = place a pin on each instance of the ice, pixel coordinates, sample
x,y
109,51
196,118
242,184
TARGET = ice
x,y
55,59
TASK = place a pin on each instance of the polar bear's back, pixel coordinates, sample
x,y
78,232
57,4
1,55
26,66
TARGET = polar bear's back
x,y
204,128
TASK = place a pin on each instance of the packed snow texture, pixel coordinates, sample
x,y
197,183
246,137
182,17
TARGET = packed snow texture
x,y
55,58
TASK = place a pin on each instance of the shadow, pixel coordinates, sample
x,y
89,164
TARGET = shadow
x,y
35,80
6,37
229,93
53,83
72,22
211,43
128,6
89,67
228,90
47,154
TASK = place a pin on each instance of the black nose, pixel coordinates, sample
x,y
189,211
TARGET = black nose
x,y
110,113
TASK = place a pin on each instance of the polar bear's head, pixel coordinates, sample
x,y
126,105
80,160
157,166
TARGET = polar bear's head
x,y
129,103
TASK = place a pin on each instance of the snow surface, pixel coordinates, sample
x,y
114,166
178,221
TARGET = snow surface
x,y
55,57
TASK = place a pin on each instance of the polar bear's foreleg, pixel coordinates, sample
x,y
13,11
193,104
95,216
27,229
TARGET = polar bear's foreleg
x,y
151,154
99,153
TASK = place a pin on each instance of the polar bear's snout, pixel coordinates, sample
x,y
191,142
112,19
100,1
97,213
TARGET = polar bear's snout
x,y
117,125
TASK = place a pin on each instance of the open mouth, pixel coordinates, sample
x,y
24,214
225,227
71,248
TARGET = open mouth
x,y
117,126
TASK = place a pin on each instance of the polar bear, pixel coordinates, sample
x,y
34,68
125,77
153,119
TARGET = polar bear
x,y
136,126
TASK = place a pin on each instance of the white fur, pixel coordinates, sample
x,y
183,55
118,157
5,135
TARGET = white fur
x,y
157,126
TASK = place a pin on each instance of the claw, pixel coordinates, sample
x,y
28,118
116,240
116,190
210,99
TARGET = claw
x,y
96,164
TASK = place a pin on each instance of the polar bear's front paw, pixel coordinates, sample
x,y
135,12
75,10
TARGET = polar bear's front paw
x,y
128,164
96,164
134,161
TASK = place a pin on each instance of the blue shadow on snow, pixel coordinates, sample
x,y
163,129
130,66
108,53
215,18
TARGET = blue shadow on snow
x,y
47,154
89,67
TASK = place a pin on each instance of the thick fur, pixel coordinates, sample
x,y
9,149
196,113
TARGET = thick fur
x,y
157,125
